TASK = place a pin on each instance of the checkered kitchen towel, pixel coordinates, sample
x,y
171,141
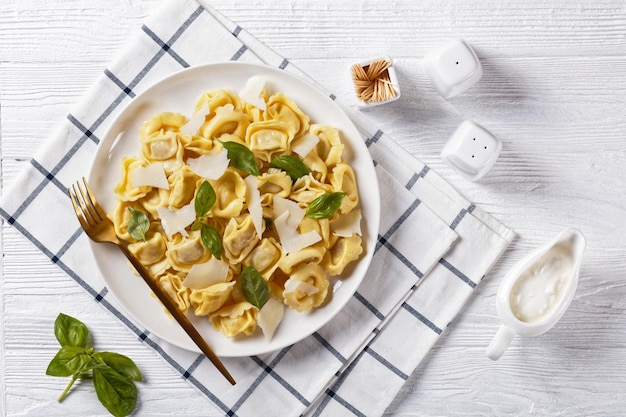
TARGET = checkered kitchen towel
x,y
433,249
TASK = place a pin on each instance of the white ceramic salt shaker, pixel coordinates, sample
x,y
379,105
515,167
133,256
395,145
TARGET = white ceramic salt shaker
x,y
535,294
453,67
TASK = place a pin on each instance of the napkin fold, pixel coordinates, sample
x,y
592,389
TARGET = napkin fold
x,y
433,249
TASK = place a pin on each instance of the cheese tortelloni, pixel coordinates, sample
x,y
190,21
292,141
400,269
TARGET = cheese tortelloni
x,y
230,191
271,183
316,166
291,261
173,287
321,226
158,197
162,122
265,257
234,319
165,147
343,251
183,184
124,190
195,146
306,288
330,147
240,238
269,138
307,189
281,107
183,252
227,121
208,300
342,179
151,250
217,98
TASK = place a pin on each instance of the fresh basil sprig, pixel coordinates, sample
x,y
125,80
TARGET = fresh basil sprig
x,y
241,157
138,224
212,240
292,165
325,206
113,374
254,287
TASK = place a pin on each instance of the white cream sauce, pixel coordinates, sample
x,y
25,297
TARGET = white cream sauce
x,y
541,287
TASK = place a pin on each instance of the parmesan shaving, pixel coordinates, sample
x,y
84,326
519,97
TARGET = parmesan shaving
x,y
292,285
347,224
195,121
176,221
152,175
270,316
251,93
253,199
209,166
204,275
290,239
296,213
304,144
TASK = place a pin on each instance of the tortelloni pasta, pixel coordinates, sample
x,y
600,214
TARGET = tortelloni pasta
x,y
226,191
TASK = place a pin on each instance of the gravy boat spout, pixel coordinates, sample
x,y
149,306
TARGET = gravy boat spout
x,y
535,294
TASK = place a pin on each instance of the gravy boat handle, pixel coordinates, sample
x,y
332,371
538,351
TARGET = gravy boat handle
x,y
500,342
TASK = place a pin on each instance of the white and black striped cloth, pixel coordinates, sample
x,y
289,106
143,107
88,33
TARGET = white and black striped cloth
x,y
433,249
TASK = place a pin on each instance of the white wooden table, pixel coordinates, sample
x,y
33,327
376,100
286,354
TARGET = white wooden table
x,y
554,90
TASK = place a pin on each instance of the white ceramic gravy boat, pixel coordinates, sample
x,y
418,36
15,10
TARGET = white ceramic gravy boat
x,y
536,292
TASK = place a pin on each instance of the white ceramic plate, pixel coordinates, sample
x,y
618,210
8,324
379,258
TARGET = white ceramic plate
x,y
178,93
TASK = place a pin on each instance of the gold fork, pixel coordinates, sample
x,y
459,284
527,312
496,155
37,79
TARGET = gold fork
x,y
100,229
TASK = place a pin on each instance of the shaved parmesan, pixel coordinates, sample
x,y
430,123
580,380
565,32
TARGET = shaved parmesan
x,y
283,205
152,175
292,285
290,239
176,221
347,224
204,275
195,121
253,198
304,144
270,316
209,166
251,93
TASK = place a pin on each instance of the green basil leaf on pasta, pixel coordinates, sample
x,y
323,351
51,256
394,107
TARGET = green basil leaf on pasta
x,y
254,287
325,206
138,224
212,240
205,199
292,165
241,158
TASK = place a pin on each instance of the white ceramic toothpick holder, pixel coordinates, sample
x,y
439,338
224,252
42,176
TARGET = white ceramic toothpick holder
x,y
471,150
453,68
535,294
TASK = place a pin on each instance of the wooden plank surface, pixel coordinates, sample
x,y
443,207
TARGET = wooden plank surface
x,y
553,89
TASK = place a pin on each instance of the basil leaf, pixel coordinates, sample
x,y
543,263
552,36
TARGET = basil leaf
x,y
70,331
69,360
241,157
121,364
254,287
205,198
138,224
116,392
212,240
292,165
325,206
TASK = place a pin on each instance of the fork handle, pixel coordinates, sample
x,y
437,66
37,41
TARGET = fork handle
x,y
177,314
